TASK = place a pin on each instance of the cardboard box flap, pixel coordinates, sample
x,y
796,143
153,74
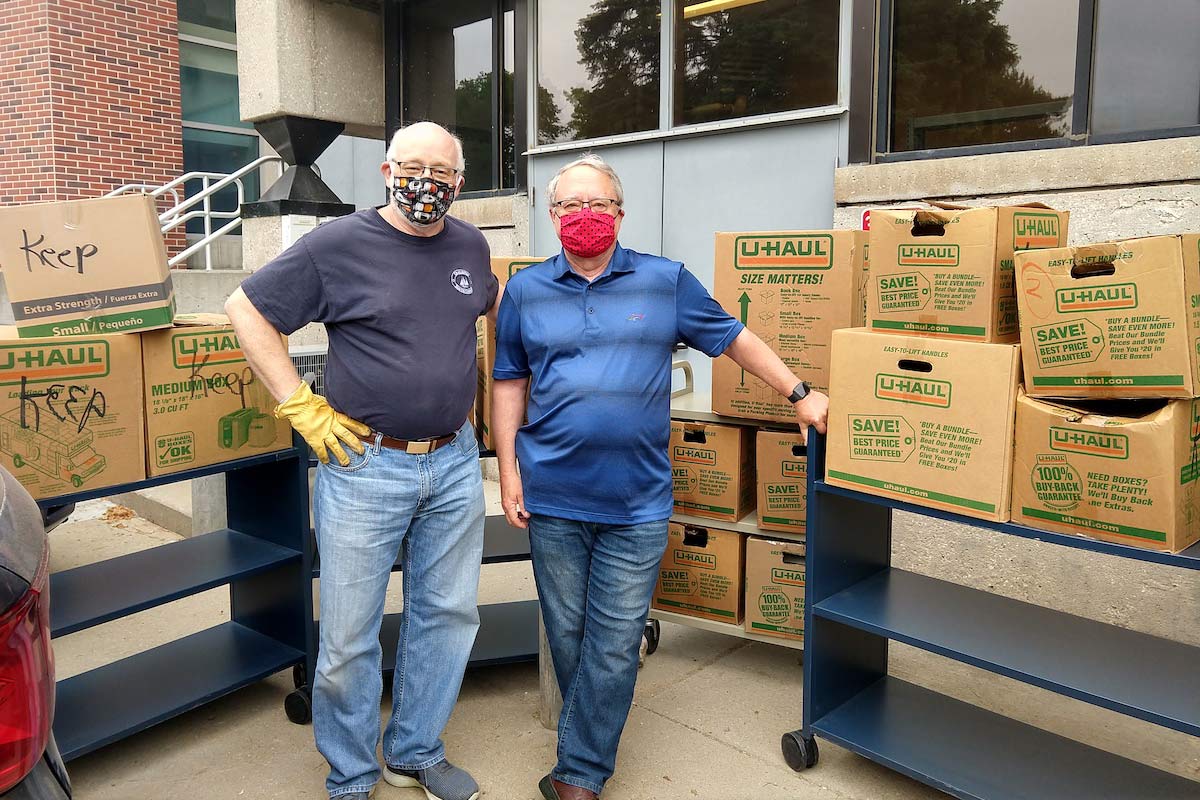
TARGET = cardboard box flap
x,y
196,320
1104,413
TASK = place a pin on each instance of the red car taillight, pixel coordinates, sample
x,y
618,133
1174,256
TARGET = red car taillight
x,y
26,681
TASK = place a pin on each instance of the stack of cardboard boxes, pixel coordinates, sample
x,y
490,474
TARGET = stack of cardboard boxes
x,y
793,289
922,398
1108,425
928,404
102,384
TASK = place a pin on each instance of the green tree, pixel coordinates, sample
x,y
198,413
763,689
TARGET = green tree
x,y
952,57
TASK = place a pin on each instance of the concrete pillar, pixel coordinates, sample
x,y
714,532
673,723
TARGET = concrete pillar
x,y
321,59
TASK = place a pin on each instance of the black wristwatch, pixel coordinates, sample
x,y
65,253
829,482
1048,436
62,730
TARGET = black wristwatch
x,y
800,392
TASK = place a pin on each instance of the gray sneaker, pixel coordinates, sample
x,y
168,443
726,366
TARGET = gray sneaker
x,y
442,781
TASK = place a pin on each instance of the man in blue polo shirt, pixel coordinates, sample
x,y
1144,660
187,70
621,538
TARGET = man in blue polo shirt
x,y
594,328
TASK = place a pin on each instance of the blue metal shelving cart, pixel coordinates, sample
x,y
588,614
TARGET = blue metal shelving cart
x,y
260,556
856,602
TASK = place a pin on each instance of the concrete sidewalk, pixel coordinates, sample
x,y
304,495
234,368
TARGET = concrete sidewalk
x,y
706,722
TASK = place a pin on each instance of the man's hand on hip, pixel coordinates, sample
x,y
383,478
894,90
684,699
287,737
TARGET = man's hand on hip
x,y
323,428
513,499
812,411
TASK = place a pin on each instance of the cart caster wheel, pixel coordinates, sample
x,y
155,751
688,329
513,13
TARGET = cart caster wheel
x,y
799,751
299,676
653,634
298,706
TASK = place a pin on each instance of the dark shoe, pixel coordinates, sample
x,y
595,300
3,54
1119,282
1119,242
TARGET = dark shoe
x,y
442,781
557,790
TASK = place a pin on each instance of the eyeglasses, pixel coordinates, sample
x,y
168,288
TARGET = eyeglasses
x,y
572,205
412,169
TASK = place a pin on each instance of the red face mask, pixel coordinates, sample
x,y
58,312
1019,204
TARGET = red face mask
x,y
587,234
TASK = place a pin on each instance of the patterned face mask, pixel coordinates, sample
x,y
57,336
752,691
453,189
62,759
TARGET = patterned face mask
x,y
423,201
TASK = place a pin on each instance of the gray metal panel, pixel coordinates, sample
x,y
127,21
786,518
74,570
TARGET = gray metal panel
x,y
641,169
774,178
351,168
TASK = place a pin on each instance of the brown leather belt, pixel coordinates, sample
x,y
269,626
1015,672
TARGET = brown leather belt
x,y
415,447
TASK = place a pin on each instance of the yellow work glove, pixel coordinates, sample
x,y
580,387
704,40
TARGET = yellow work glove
x,y
321,426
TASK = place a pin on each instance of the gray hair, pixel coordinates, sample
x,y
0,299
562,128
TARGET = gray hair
x,y
399,134
595,162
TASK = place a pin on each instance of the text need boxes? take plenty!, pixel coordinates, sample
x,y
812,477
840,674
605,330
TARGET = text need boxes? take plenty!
x,y
1120,471
925,420
792,289
1112,320
949,272
85,267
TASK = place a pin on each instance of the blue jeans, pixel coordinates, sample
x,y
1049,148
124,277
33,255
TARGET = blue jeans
x,y
430,507
594,581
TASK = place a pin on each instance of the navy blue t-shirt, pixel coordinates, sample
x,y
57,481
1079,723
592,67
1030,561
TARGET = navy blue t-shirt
x,y
598,356
400,311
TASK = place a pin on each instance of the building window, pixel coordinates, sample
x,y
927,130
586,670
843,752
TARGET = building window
x,y
461,70
209,19
215,139
1147,66
741,59
598,68
967,76
969,73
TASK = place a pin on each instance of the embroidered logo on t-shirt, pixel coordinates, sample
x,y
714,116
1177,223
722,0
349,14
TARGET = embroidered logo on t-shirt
x,y
461,279
635,317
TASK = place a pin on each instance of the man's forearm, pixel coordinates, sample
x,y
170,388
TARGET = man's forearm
x,y
263,346
753,355
508,409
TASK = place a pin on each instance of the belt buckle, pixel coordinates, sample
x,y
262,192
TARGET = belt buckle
x,y
419,448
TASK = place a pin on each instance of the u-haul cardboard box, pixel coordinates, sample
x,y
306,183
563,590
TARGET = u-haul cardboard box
x,y
948,272
1119,319
701,573
792,288
84,267
712,468
485,350
925,420
203,404
775,588
1120,471
782,481
71,412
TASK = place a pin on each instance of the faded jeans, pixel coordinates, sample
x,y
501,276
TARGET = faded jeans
x,y
430,508
594,581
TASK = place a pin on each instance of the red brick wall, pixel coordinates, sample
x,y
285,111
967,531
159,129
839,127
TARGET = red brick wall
x,y
96,100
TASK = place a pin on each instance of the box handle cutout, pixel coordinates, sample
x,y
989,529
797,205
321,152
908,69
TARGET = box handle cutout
x,y
799,450
912,365
695,537
1093,269
696,436
926,224
793,558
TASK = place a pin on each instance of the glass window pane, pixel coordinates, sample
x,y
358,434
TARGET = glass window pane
x,y
508,142
598,68
208,84
971,73
1147,66
739,58
209,19
448,76
217,151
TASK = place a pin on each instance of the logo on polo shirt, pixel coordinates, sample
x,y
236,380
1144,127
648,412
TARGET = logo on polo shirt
x,y
461,279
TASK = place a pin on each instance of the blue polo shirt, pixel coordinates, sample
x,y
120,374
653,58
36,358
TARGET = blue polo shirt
x,y
598,356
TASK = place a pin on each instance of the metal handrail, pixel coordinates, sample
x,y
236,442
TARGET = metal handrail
x,y
178,214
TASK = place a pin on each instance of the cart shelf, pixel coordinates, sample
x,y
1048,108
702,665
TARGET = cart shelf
x,y
107,590
114,701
